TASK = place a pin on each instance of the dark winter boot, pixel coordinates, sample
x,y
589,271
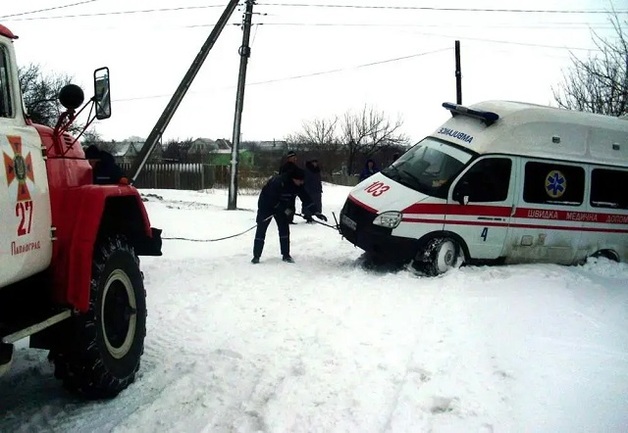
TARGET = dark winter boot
x,y
255,260
287,258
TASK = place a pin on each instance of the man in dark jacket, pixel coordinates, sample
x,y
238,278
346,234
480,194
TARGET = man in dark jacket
x,y
104,168
289,164
274,201
314,187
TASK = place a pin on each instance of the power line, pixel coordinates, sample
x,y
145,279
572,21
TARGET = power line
x,y
496,41
523,44
48,9
311,74
100,14
553,26
338,6
364,65
426,8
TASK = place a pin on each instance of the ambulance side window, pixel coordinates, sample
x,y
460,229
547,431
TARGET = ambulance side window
x,y
553,183
487,181
608,188
6,109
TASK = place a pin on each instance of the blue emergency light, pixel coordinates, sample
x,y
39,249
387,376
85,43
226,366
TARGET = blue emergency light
x,y
487,117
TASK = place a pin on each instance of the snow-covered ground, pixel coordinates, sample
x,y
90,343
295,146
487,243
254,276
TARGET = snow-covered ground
x,y
324,345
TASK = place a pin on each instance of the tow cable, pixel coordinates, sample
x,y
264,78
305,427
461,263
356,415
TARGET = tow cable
x,y
335,227
217,239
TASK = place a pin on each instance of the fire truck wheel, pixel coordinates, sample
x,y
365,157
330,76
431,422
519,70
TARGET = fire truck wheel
x,y
104,355
441,255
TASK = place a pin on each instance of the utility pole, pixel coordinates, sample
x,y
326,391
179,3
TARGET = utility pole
x,y
245,53
458,74
156,133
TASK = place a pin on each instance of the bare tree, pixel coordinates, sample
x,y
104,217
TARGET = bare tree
x,y
367,132
40,93
598,84
177,150
91,136
319,135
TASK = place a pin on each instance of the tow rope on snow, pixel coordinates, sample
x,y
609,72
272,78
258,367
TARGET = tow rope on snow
x,y
246,231
217,239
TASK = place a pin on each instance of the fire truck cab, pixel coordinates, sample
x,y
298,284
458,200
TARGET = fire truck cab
x,y
69,268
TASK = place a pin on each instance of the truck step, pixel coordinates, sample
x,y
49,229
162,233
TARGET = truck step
x,y
18,334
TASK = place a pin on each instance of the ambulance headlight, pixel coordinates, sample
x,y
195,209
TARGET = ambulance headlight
x,y
390,219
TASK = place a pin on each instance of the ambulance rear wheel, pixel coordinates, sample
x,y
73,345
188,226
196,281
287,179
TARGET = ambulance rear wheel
x,y
607,254
441,255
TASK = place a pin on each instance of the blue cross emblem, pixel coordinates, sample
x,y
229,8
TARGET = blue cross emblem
x,y
555,184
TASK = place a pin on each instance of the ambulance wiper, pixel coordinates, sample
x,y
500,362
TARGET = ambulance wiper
x,y
415,178
387,172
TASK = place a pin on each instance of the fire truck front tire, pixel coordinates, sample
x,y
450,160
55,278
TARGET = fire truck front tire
x,y
104,354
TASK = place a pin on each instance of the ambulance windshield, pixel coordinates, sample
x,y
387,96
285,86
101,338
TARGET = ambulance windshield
x,y
429,167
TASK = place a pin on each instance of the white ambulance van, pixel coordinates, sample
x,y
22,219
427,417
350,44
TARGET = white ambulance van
x,y
502,182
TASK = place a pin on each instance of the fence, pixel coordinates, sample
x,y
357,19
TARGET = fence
x,y
197,176
189,176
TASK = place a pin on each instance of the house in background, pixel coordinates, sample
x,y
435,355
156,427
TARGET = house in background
x,y
125,152
279,146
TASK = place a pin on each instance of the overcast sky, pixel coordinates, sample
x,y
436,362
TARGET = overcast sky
x,y
310,59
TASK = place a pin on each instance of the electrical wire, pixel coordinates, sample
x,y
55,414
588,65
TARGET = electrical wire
x,y
47,9
311,74
100,14
305,5
553,26
364,65
445,9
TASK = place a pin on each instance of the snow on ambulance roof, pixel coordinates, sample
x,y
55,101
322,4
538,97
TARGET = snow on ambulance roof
x,y
519,128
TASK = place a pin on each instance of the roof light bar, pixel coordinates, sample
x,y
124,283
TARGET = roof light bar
x,y
487,117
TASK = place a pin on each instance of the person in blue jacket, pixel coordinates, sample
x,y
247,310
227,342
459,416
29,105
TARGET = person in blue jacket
x,y
369,169
274,202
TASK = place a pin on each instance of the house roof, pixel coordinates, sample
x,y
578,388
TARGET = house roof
x,y
272,145
126,148
201,145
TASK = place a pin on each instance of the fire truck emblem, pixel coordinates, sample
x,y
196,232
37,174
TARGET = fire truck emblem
x,y
19,168
555,184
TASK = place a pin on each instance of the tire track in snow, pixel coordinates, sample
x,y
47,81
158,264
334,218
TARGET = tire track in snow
x,y
440,390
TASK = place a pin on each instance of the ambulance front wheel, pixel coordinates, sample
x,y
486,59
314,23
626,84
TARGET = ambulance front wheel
x,y
441,255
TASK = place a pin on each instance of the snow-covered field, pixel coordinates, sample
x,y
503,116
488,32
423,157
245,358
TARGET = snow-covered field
x,y
324,345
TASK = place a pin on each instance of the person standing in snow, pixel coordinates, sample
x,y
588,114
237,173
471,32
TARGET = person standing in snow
x,y
290,163
314,187
274,202
369,169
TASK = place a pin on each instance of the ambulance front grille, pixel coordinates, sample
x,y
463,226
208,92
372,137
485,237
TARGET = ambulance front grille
x,y
361,216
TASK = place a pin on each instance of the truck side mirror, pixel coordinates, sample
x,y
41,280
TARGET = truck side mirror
x,y
102,97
